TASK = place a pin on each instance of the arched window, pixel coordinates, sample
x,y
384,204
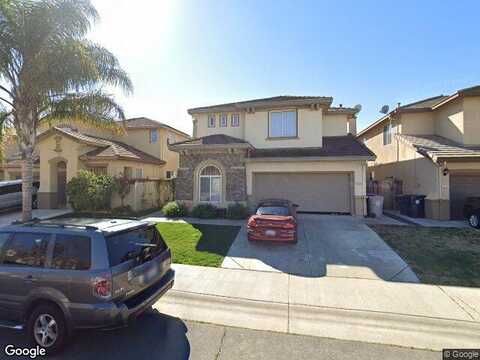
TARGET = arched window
x,y
210,184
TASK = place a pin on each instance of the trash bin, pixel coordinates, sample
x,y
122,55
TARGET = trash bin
x,y
375,205
403,204
417,206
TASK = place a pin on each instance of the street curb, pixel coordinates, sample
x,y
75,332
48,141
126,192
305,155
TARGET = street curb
x,y
367,326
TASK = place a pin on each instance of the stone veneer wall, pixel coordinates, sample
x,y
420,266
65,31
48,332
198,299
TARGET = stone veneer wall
x,y
232,162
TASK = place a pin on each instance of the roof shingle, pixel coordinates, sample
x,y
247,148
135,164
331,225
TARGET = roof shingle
x,y
108,149
333,146
287,99
437,147
217,139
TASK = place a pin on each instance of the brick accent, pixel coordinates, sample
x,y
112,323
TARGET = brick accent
x,y
232,163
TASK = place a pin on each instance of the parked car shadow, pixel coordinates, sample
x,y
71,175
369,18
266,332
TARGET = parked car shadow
x,y
327,245
153,335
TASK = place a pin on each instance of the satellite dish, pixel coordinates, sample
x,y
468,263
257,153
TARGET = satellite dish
x,y
358,107
385,109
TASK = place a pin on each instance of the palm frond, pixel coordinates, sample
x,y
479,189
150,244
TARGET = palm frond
x,y
96,109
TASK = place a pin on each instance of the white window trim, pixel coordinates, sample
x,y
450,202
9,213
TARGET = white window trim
x,y
237,123
269,136
210,177
212,124
223,117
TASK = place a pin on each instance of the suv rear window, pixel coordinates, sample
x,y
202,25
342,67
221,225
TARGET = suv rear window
x,y
26,249
71,252
128,245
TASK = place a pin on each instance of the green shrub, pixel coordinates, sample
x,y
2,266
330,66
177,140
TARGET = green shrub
x,y
175,209
237,211
90,192
205,211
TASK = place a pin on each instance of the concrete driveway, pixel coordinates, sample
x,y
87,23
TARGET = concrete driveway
x,y
328,245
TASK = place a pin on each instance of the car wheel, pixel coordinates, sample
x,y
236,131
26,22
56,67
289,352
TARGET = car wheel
x,y
474,220
46,328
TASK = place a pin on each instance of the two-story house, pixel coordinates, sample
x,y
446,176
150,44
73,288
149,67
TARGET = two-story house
x,y
138,149
294,147
433,147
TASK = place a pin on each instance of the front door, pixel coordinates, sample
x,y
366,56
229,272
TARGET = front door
x,y
62,184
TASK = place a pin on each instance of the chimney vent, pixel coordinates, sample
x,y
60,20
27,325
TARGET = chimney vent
x,y
399,104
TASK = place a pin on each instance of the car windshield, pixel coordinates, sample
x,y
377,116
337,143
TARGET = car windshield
x,y
130,244
273,210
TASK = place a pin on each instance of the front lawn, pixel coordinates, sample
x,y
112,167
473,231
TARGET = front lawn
x,y
204,245
440,256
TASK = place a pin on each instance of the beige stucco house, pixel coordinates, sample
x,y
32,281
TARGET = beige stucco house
x,y
295,147
138,148
433,147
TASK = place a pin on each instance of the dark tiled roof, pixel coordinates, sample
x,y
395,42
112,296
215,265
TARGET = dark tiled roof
x,y
219,139
336,146
425,104
437,147
146,123
264,101
109,149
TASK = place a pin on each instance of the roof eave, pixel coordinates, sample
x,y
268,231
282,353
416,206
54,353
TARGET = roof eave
x,y
261,105
182,147
312,158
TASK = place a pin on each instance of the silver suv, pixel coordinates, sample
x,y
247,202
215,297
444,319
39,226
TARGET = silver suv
x,y
61,275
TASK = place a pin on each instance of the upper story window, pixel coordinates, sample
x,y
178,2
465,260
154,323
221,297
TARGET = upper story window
x,y
211,121
223,120
153,136
235,120
282,124
387,134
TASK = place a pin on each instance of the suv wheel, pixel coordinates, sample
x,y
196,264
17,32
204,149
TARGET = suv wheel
x,y
46,327
474,220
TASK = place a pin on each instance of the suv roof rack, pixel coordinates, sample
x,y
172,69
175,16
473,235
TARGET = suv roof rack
x,y
38,222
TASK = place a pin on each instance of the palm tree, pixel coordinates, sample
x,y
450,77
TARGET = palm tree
x,y
49,71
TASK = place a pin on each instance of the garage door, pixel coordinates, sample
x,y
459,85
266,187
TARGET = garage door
x,y
315,192
461,187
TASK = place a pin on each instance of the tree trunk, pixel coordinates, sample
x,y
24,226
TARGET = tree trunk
x,y
27,190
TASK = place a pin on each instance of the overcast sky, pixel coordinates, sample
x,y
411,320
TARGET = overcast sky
x,y
182,54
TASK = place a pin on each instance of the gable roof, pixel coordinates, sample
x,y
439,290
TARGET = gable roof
x,y
107,149
146,123
438,148
428,104
333,146
217,140
283,100
425,104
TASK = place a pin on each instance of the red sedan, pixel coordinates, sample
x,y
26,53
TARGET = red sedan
x,y
274,220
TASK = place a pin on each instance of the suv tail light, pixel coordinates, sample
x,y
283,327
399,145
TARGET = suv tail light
x,y
102,286
290,225
252,222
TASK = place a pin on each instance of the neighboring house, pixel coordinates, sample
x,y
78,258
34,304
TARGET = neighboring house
x,y
294,147
139,151
433,147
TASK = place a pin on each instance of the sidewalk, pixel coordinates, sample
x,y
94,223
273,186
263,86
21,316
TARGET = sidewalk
x,y
411,315
8,218
407,220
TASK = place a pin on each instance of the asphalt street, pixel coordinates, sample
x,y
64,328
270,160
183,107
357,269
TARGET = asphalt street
x,y
158,336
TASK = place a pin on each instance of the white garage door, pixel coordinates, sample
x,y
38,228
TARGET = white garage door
x,y
314,192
